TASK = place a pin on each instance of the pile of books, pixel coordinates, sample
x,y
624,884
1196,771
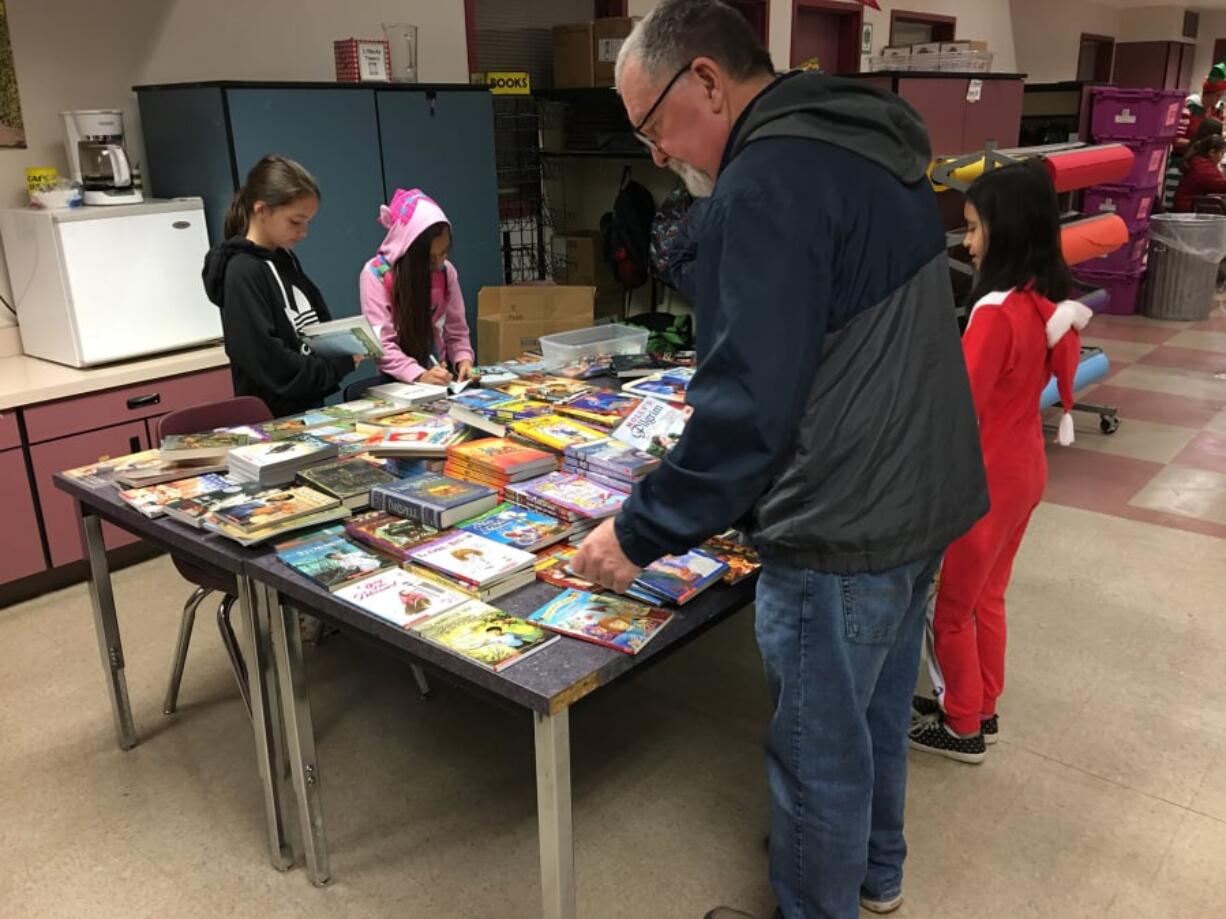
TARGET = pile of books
x,y
601,407
412,434
572,498
742,560
610,463
137,470
519,527
497,462
151,500
556,432
480,567
435,500
670,385
677,578
253,518
277,462
349,480
408,395
211,447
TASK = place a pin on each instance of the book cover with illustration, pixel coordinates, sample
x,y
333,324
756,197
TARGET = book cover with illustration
x,y
677,578
430,434
209,445
517,526
365,407
347,480
603,619
479,399
256,537
742,560
151,500
345,337
670,385
585,368
504,457
525,383
195,510
572,493
272,507
401,597
390,534
294,448
557,389
613,457
329,559
654,427
472,559
601,406
396,419
552,567
557,432
106,471
484,634
519,409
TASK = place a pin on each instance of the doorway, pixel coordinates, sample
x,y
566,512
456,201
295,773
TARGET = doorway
x,y
1095,58
828,30
911,28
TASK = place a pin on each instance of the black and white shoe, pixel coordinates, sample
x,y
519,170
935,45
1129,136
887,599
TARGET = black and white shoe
x,y
932,736
880,907
926,706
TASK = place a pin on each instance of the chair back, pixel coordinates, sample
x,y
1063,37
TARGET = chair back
x,y
228,413
357,389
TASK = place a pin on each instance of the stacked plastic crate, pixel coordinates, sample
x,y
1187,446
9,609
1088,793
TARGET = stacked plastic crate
x,y
1146,121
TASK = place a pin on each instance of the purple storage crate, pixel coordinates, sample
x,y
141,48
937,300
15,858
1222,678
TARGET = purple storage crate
x,y
1136,114
1127,258
1123,287
1149,165
1133,205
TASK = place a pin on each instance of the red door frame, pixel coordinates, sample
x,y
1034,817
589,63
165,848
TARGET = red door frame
x,y
1104,42
851,28
931,18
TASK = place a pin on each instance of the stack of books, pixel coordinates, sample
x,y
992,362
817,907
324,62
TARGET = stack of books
x,y
152,500
136,470
610,463
435,500
601,407
194,511
519,527
493,419
276,462
208,448
497,462
634,366
388,533
478,566
251,519
556,432
358,409
553,567
614,622
409,395
556,389
670,385
654,427
329,559
677,578
345,435
348,480
412,434
742,560
485,635
571,498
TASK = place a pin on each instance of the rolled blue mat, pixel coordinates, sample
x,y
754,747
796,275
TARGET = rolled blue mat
x,y
1096,299
1093,367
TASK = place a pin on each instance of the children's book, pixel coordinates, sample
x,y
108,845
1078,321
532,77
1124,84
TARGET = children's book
x,y
552,568
557,389
272,507
481,398
557,432
208,447
388,533
670,385
152,500
571,493
483,634
504,457
479,420
517,526
654,427
742,560
600,406
677,578
613,458
329,559
435,500
472,559
422,435
140,470
350,336
614,622
195,510
401,597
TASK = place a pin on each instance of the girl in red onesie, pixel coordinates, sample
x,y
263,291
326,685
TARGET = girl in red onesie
x,y
1019,335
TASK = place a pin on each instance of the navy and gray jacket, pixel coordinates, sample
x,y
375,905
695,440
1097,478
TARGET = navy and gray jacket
x,y
832,414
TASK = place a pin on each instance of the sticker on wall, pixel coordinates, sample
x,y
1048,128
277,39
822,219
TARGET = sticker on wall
x,y
974,91
12,131
866,39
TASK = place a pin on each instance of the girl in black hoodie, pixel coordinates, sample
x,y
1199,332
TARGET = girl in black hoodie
x,y
265,297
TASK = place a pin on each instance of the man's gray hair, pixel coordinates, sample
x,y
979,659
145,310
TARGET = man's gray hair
x,y
678,31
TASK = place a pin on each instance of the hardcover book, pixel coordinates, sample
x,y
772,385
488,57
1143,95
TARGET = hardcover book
x,y
390,534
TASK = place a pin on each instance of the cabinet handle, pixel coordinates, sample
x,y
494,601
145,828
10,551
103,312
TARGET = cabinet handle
x,y
152,398
134,444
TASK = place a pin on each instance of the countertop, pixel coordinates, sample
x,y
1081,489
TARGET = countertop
x,y
27,380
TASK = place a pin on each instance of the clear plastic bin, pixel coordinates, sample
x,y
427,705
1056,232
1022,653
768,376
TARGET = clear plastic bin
x,y
563,348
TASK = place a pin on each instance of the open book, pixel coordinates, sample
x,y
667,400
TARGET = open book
x,y
343,337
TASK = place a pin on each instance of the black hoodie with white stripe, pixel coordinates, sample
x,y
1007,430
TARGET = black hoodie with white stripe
x,y
266,299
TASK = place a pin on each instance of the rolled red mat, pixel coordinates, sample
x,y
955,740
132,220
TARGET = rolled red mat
x,y
1090,237
1101,165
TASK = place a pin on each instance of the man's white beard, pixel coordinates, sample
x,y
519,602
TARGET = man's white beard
x,y
697,182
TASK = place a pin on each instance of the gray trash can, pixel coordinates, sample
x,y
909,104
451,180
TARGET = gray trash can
x,y
1184,253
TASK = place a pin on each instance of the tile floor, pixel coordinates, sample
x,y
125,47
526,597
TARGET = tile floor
x,y
1106,796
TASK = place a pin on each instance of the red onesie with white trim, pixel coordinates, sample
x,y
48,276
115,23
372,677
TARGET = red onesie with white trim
x,y
1014,343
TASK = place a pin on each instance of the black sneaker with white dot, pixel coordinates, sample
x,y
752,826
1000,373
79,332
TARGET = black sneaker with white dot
x,y
991,729
926,706
932,736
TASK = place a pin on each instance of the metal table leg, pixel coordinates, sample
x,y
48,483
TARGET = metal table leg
x,y
553,814
264,720
299,733
106,625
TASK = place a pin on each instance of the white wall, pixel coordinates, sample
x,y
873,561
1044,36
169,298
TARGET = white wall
x,y
1047,54
1212,27
73,54
1153,23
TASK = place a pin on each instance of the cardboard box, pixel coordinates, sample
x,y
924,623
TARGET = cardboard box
x,y
585,53
928,47
510,320
961,46
896,51
608,36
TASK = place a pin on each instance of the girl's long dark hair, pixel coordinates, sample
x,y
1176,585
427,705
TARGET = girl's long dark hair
x,y
1210,127
411,308
1021,219
275,180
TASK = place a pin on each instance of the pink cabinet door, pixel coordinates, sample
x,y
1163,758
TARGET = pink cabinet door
x,y
21,548
59,516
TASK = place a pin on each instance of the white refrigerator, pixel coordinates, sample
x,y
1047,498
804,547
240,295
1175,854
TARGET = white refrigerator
x,y
94,285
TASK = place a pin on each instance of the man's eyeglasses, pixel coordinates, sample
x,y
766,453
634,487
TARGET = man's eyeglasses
x,y
638,128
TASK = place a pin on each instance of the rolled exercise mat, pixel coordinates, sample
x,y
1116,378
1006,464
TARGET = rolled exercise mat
x,y
1095,299
1090,237
1093,367
1101,165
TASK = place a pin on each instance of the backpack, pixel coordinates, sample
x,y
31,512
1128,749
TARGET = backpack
x,y
626,231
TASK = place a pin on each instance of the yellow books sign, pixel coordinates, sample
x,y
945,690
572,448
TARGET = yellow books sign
x,y
505,82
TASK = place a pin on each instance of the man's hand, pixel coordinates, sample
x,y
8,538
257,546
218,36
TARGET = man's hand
x,y
463,369
600,559
436,376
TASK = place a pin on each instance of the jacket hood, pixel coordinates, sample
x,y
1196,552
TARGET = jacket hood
x,y
876,124
409,214
218,259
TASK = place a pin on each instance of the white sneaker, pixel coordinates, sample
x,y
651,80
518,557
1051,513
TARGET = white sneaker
x,y
881,906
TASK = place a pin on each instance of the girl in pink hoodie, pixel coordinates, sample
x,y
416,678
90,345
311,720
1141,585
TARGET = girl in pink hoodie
x,y
411,294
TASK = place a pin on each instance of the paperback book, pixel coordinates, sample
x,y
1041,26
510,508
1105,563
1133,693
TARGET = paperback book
x,y
614,622
601,407
472,559
393,535
483,634
552,567
329,559
409,395
401,597
677,578
518,527
272,507
670,385
277,462
195,510
257,537
654,427
205,448
571,496
742,560
350,336
557,432
349,480
152,500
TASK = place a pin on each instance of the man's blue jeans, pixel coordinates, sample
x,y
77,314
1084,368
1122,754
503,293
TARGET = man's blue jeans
x,y
842,655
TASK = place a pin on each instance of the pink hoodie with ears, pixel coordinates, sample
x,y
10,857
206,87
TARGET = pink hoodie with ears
x,y
411,213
